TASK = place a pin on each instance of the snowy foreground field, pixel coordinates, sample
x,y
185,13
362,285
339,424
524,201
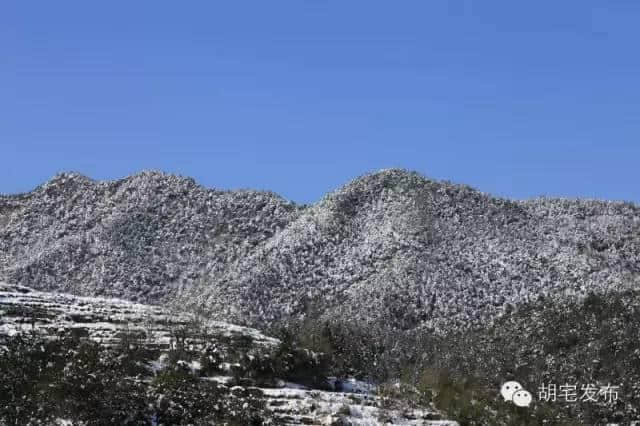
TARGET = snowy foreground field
x,y
115,324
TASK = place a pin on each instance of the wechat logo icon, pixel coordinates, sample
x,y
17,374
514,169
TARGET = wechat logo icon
x,y
514,392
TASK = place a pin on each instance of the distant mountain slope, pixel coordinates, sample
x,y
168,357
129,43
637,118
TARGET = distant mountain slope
x,y
391,247
141,238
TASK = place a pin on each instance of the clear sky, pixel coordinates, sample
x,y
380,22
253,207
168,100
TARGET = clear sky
x,y
515,98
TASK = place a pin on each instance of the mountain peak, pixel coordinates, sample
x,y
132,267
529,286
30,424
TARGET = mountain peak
x,y
67,180
68,177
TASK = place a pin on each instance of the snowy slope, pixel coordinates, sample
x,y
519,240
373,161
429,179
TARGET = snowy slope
x,y
24,310
391,247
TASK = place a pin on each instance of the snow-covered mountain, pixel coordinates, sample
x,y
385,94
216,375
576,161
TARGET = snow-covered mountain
x,y
390,247
462,274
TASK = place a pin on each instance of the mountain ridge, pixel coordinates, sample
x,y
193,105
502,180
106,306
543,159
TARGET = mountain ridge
x,y
388,247
71,176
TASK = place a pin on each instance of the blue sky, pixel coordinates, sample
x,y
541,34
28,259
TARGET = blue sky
x,y
519,99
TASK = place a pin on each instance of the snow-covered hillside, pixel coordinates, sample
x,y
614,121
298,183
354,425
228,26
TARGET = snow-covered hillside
x,y
391,247
103,320
112,323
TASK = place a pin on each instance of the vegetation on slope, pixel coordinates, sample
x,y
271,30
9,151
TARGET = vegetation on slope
x,y
391,247
593,341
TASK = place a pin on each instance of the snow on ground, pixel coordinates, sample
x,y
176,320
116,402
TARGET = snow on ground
x,y
104,320
300,406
